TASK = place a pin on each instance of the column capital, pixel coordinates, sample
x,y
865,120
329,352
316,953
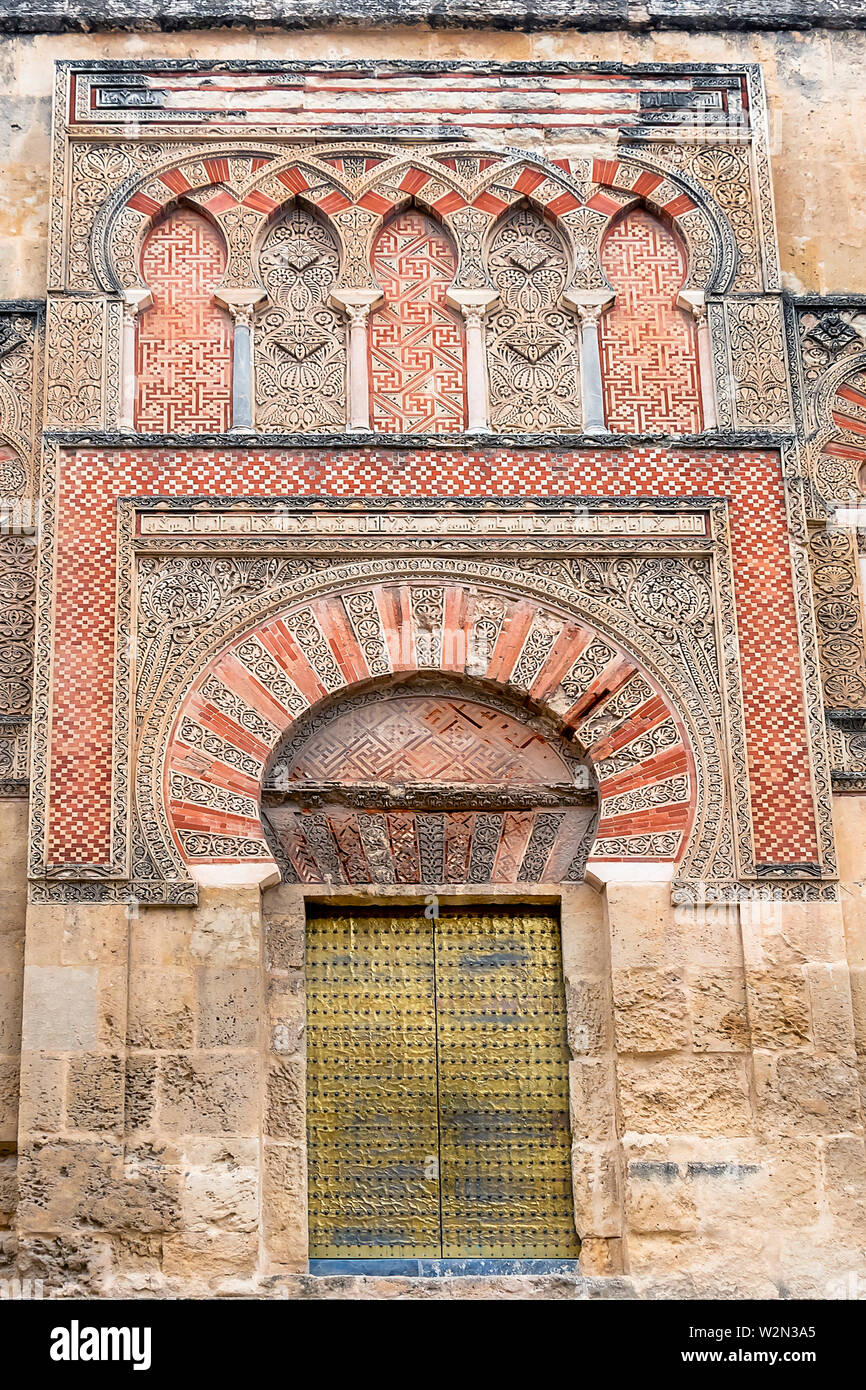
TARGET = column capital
x,y
589,305
241,303
472,303
135,301
695,302
357,303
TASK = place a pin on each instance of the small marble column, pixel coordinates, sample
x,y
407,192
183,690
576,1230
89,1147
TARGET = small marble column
x,y
134,302
242,305
357,305
473,305
589,305
695,302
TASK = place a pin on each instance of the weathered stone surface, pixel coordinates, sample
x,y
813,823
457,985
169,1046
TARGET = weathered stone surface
x,y
61,1011
140,1092
11,989
858,1006
779,935
589,1015
226,928
285,1205
283,912
43,1085
286,1111
8,1188
59,1181
659,1197
161,1008
202,1255
700,1095
208,1093
779,1008
229,1007
717,1004
595,1182
94,1094
844,1176
640,921
651,1010
592,1090
221,1185
287,1013
9,1074
831,1007
801,1094
74,1264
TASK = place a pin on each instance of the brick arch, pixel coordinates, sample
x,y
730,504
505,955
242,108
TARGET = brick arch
x,y
204,180
241,707
837,447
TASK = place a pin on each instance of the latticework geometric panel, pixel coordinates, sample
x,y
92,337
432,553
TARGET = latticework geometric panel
x,y
648,345
417,372
184,341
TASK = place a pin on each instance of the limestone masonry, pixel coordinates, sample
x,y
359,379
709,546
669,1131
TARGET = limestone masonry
x,y
432,650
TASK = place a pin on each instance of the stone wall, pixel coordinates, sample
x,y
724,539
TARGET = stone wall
x,y
814,86
713,1082
13,907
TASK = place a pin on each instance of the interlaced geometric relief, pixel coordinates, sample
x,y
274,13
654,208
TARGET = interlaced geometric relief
x,y
426,738
437,1095
648,347
470,787
417,371
531,341
184,341
300,343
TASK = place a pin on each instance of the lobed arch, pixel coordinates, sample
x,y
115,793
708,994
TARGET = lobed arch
x,y
837,442
581,196
219,737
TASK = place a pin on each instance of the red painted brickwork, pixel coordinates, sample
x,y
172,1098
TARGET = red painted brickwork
x,y
184,342
417,372
648,349
92,480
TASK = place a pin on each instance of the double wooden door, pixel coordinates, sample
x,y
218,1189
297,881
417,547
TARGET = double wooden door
x,y
437,1085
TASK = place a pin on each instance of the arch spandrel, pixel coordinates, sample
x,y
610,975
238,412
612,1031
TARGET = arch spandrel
x,y
594,698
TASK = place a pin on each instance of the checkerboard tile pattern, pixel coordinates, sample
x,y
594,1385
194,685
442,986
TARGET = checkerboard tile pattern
x,y
92,479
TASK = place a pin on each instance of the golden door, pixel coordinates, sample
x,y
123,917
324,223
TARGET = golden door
x,y
437,1085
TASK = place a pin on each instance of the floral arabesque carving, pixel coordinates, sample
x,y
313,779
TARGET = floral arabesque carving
x,y
300,356
839,616
532,352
